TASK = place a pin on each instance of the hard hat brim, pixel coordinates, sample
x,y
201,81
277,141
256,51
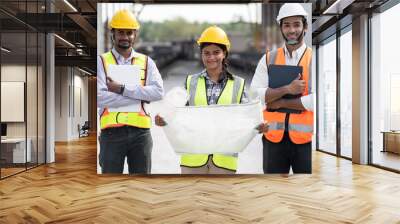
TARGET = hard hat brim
x,y
280,19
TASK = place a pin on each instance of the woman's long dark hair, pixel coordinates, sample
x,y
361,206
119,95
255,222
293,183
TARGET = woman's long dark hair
x,y
224,62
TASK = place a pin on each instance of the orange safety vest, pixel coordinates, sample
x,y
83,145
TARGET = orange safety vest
x,y
118,119
300,125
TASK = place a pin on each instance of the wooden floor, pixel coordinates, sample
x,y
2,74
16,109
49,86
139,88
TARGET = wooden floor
x,y
70,191
10,171
387,159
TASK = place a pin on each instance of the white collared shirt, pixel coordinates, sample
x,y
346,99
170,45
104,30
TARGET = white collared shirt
x,y
153,90
259,84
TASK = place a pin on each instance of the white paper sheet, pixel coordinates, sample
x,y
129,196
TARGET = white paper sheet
x,y
128,75
213,129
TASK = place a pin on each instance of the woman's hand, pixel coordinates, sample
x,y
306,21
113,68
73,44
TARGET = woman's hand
x,y
263,127
160,121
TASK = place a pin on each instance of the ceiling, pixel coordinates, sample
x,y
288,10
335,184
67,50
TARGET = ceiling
x,y
76,22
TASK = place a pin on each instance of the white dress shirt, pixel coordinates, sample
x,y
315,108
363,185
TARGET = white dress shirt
x,y
153,90
259,84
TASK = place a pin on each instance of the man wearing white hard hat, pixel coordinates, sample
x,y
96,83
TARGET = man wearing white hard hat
x,y
287,144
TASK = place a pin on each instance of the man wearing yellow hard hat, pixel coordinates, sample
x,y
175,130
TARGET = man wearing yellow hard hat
x,y
287,144
214,85
126,134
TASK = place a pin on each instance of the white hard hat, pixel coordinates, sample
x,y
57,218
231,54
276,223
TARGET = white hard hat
x,y
290,9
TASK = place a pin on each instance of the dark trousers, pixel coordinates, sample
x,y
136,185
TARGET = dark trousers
x,y
131,142
279,157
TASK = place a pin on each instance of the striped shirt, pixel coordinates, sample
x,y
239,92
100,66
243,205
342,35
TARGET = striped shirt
x,y
214,89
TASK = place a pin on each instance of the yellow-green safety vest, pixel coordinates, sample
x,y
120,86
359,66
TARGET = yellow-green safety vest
x,y
232,93
118,119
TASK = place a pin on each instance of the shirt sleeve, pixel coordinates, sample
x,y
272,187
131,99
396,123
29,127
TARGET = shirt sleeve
x,y
152,91
106,98
259,83
308,102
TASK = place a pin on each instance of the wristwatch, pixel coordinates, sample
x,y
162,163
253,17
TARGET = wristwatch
x,y
122,88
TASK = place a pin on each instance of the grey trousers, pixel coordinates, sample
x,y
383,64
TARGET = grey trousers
x,y
129,142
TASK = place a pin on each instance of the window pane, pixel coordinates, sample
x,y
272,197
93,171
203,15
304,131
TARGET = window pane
x,y
31,97
41,99
385,89
327,97
13,84
346,94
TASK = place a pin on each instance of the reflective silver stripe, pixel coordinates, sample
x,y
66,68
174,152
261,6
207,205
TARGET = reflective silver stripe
x,y
272,56
229,154
236,89
193,88
301,128
276,126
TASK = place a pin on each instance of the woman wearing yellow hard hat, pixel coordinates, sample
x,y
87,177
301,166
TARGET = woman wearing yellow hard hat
x,y
214,85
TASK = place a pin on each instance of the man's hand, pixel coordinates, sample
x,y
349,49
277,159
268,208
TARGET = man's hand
x,y
297,86
263,127
276,104
160,121
113,86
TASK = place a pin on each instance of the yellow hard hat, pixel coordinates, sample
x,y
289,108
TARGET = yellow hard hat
x,y
214,34
124,19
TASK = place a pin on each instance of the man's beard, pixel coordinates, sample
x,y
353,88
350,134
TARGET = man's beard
x,y
296,41
124,45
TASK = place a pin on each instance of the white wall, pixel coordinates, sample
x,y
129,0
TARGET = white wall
x,y
61,103
13,73
33,126
80,100
16,73
71,94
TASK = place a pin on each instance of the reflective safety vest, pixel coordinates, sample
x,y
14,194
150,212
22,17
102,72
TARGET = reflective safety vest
x,y
232,93
300,125
119,119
